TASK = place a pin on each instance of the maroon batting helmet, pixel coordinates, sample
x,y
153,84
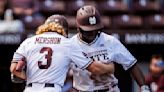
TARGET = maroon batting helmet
x,y
60,19
88,18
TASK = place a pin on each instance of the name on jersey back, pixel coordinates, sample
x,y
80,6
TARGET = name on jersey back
x,y
47,40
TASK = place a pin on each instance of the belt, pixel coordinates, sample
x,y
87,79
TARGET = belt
x,y
45,85
102,90
105,90
114,85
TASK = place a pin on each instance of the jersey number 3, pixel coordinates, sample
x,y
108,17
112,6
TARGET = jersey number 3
x,y
48,57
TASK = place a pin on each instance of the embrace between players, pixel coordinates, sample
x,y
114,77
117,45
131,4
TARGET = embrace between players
x,y
48,55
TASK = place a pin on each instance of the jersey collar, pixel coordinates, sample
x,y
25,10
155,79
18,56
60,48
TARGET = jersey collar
x,y
50,33
78,36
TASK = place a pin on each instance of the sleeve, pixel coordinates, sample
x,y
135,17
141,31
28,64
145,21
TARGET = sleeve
x,y
80,60
77,56
20,52
161,84
148,79
121,55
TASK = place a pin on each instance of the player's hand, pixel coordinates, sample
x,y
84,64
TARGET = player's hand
x,y
18,69
21,74
145,88
20,65
110,68
16,79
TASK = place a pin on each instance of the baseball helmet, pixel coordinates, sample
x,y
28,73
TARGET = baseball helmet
x,y
60,19
88,18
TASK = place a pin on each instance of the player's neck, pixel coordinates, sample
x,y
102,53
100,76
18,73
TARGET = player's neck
x,y
85,39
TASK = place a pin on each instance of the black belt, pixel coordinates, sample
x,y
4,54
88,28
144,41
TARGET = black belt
x,y
114,85
102,90
45,85
105,90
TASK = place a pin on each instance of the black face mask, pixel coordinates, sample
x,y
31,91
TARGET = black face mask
x,y
89,36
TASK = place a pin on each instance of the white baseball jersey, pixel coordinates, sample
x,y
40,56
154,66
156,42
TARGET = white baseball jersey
x,y
104,48
48,58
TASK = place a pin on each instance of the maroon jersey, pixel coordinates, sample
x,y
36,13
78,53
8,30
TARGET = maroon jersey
x,y
156,83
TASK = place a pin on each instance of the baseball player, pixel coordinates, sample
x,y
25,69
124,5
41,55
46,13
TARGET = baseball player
x,y
47,57
100,46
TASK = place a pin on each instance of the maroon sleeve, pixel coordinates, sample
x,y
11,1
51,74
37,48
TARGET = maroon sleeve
x,y
161,84
148,79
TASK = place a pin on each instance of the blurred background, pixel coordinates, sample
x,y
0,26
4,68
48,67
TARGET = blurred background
x,y
138,24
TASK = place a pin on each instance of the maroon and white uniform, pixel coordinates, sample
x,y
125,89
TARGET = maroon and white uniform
x,y
48,59
104,48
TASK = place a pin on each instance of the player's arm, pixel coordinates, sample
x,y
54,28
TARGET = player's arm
x,y
126,59
82,61
99,68
139,77
95,67
18,61
16,68
137,74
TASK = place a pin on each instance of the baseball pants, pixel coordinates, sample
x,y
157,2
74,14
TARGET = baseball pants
x,y
42,87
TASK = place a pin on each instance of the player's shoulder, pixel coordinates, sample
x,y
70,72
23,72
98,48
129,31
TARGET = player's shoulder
x,y
31,39
28,40
74,41
107,37
74,37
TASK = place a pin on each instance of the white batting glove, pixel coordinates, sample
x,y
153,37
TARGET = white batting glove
x,y
145,88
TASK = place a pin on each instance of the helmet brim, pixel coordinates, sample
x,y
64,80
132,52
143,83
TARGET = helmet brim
x,y
92,27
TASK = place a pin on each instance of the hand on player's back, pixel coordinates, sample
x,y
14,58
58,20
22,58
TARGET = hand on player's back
x,y
20,66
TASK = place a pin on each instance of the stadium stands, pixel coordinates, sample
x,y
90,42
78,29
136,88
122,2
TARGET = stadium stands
x,y
49,7
31,22
107,22
71,21
142,6
127,14
155,21
113,6
23,7
2,7
74,5
127,21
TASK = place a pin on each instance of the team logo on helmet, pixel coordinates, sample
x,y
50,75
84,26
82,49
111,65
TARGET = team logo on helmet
x,y
56,20
92,20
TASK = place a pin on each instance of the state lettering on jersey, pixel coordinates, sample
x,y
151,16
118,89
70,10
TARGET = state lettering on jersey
x,y
101,55
47,40
98,54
